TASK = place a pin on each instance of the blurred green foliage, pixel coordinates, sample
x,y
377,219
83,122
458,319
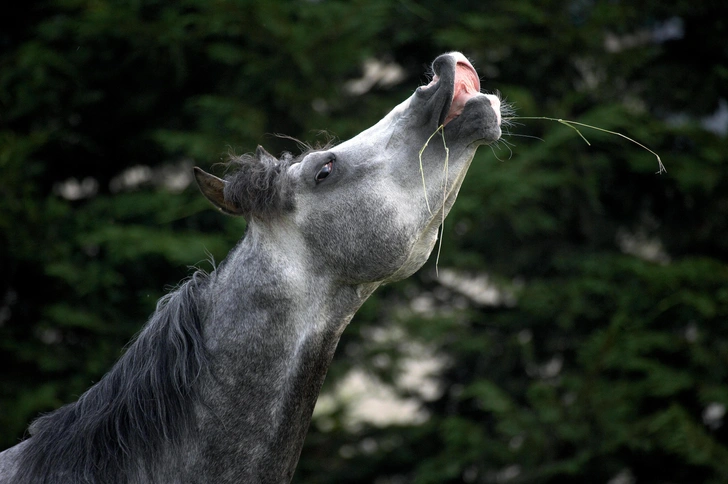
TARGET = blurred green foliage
x,y
605,359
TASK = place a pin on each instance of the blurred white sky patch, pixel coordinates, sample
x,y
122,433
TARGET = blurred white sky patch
x,y
367,400
639,244
717,123
713,415
671,29
376,72
174,177
479,288
131,178
75,189
624,476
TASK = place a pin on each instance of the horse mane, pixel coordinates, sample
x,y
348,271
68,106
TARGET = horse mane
x,y
258,183
122,425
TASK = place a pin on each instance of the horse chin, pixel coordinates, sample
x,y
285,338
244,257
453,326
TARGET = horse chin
x,y
418,255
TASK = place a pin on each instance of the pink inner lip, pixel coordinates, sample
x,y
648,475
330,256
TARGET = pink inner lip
x,y
467,86
465,72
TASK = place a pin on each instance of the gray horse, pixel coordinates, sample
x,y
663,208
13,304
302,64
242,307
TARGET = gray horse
x,y
220,384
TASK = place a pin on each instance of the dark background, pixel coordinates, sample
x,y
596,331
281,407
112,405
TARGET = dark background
x,y
602,353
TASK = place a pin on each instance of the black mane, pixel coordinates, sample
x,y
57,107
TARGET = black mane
x,y
258,183
120,426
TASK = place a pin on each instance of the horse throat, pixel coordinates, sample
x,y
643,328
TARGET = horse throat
x,y
272,332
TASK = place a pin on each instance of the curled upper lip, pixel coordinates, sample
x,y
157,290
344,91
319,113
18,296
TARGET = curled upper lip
x,y
455,83
465,86
460,60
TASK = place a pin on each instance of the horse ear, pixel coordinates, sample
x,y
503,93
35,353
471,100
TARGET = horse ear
x,y
213,188
262,155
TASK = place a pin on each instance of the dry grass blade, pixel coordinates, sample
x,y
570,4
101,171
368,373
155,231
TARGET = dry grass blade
x,y
441,129
573,124
422,171
444,196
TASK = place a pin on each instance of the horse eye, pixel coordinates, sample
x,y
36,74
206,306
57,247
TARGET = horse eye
x,y
325,171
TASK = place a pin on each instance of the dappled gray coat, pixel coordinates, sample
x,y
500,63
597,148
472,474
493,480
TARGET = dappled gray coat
x,y
220,384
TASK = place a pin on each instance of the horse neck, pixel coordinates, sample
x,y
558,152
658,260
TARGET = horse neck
x,y
271,329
